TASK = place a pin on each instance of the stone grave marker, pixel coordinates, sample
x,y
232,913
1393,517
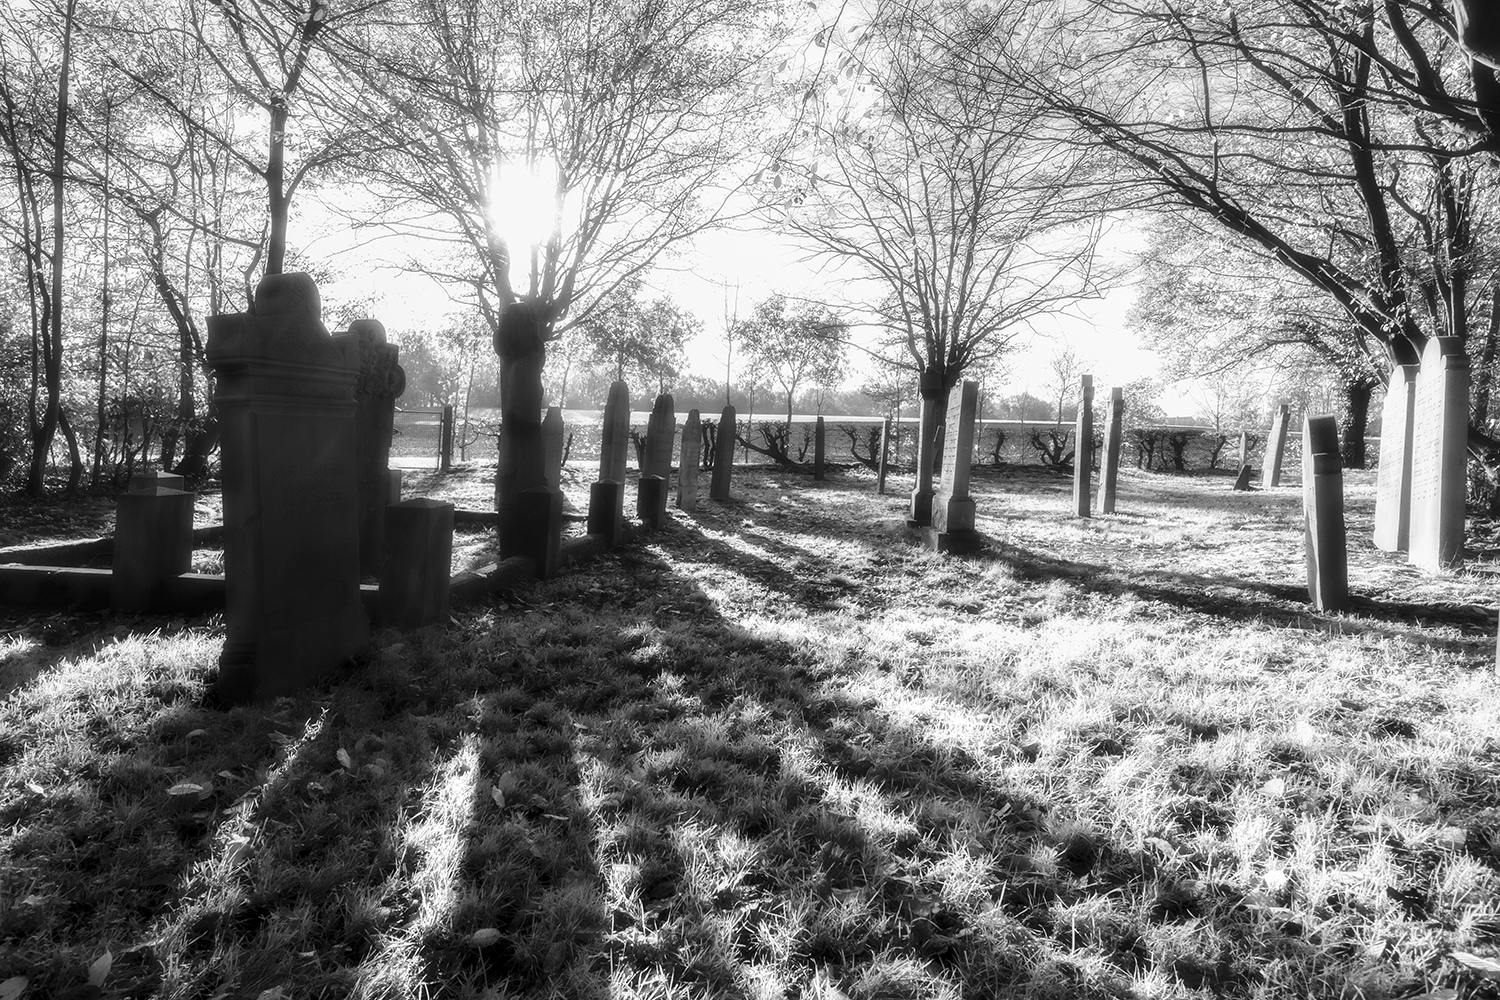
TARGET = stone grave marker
x,y
952,508
520,342
920,513
381,381
1244,449
419,557
153,543
1393,481
1270,470
1114,439
718,488
820,443
689,462
1439,457
882,463
1323,514
552,445
651,491
1083,448
445,439
607,494
1242,480
285,396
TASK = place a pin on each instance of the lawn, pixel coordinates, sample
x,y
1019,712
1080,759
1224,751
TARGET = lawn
x,y
780,750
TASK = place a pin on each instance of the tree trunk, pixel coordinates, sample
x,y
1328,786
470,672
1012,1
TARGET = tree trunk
x,y
1356,421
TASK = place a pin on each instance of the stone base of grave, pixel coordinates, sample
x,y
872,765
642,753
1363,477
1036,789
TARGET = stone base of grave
x,y
149,480
419,558
959,543
920,514
605,501
287,660
153,543
952,516
651,502
1242,481
539,512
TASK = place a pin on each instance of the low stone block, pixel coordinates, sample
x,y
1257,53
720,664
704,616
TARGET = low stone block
x,y
605,500
419,558
651,502
958,543
153,543
149,480
540,513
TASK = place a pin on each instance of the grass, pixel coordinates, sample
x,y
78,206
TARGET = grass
x,y
782,751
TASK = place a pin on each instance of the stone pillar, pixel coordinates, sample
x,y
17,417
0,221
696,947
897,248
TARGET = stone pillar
x,y
881,463
522,348
1083,448
718,488
952,508
1439,459
381,380
419,560
688,463
1244,450
539,515
285,396
607,494
445,440
552,447
153,543
1393,481
920,514
1270,470
1114,440
651,492
1323,514
820,443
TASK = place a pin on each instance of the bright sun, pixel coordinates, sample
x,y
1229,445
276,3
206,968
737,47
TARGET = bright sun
x,y
524,209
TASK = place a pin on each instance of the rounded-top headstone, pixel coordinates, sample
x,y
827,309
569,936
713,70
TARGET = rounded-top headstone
x,y
288,294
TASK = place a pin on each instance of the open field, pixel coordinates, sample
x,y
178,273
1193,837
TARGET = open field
x,y
780,750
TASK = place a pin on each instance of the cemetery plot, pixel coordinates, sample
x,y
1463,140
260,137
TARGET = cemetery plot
x,y
787,743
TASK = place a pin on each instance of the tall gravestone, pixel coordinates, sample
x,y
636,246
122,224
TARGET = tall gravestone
x,y
920,513
1083,448
651,490
885,453
607,495
1114,440
688,463
284,391
1440,432
718,488
530,512
952,508
820,442
381,381
1393,481
552,447
1323,515
1270,470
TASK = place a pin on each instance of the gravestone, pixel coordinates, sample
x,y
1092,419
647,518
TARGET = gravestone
x,y
689,462
1270,470
1393,481
884,459
419,557
651,490
1244,450
1323,515
1440,433
820,441
607,494
381,380
150,480
920,513
952,508
520,341
552,447
1114,439
284,391
445,440
1242,481
153,543
718,488
1083,448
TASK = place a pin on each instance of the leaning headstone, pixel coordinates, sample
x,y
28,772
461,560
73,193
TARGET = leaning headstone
x,y
1323,514
153,543
284,391
1242,481
1083,448
688,463
820,443
1440,431
1114,440
521,344
156,479
920,513
607,494
419,556
1270,470
952,508
718,488
552,447
381,380
651,490
1244,449
884,459
1393,481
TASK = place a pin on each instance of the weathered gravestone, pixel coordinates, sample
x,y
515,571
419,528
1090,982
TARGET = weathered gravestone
x,y
1323,514
1270,470
521,344
419,557
607,495
820,441
153,543
718,488
1242,480
1083,448
1114,440
651,491
284,391
1393,481
552,447
689,462
1440,432
381,381
952,527
884,459
920,513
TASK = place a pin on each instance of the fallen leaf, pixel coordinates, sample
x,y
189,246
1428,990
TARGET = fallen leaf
x,y
345,759
197,732
498,796
484,937
186,788
36,788
1275,788
100,968
1452,836
238,848
12,987
1489,968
